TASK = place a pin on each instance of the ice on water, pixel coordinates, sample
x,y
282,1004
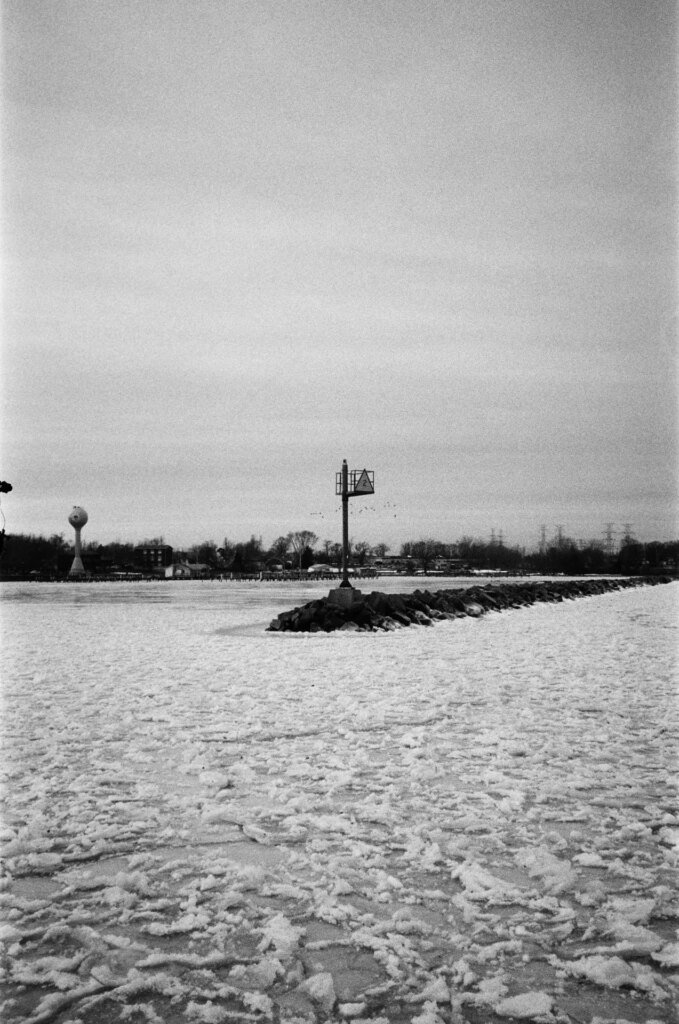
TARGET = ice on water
x,y
205,822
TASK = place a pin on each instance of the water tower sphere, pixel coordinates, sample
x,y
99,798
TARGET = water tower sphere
x,y
78,517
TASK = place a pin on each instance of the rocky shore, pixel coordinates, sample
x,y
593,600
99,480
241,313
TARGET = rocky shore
x,y
378,611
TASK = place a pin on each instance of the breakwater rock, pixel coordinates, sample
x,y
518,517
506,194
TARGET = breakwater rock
x,y
379,611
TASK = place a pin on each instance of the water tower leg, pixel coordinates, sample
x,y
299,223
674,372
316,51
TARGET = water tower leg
x,y
77,568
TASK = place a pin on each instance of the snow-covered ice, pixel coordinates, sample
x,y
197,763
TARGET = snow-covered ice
x,y
202,821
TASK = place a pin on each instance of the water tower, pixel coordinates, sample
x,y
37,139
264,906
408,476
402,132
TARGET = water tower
x,y
77,519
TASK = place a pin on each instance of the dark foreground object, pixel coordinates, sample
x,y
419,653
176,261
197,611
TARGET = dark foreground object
x,y
377,611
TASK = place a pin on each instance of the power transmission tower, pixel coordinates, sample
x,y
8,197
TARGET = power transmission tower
x,y
543,539
608,539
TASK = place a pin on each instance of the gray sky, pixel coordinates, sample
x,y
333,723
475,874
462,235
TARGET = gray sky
x,y
245,240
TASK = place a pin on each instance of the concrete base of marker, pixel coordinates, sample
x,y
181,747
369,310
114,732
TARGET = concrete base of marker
x,y
345,597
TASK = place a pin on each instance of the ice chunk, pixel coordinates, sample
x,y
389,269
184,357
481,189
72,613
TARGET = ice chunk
x,y
250,876
132,881
556,875
43,861
429,1015
431,856
370,810
264,973
321,989
217,779
589,860
636,911
614,972
632,937
186,923
207,1013
668,956
436,991
490,991
481,885
496,949
351,1010
332,823
258,1003
280,933
527,1006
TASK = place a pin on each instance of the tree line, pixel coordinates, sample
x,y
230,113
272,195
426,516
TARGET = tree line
x,y
297,550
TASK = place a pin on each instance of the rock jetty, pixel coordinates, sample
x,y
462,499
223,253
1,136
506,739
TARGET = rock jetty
x,y
379,611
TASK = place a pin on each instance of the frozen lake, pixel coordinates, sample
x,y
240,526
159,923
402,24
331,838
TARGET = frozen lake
x,y
206,822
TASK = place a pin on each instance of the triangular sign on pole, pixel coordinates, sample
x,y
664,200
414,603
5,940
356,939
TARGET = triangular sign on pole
x,y
363,485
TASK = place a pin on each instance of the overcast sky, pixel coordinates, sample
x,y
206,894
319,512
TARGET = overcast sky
x,y
246,240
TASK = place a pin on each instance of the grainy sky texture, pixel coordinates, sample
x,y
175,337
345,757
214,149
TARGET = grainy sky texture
x,y
245,240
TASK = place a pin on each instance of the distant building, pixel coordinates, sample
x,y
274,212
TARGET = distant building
x,y
178,571
153,556
188,571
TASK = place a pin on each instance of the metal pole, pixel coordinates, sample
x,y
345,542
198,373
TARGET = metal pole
x,y
345,525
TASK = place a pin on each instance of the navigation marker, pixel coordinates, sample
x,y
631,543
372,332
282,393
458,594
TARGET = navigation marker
x,y
364,485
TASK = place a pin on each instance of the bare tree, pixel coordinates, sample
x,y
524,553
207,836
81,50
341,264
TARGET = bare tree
x,y
227,551
361,548
279,549
425,550
300,541
206,553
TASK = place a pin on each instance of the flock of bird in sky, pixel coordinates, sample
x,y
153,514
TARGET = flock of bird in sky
x,y
388,505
